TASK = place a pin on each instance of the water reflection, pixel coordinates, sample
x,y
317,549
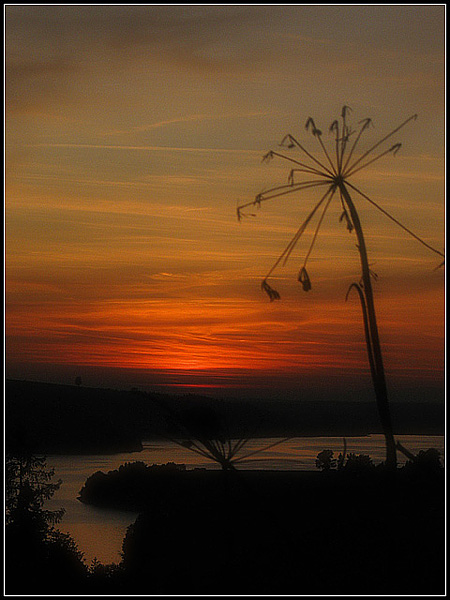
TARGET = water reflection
x,y
99,532
293,454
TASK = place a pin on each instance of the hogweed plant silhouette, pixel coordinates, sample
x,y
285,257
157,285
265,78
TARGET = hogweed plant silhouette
x,y
223,451
208,434
331,171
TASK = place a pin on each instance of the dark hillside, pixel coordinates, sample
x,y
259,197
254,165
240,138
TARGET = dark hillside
x,y
52,418
67,419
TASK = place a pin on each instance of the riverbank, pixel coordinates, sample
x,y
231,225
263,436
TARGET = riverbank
x,y
297,454
137,486
298,533
356,530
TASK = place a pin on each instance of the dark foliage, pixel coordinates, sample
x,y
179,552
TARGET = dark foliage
x,y
325,460
427,463
356,529
361,530
241,533
134,485
39,558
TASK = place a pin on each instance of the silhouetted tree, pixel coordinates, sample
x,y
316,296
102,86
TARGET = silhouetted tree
x,y
359,463
39,558
426,463
106,578
28,485
325,460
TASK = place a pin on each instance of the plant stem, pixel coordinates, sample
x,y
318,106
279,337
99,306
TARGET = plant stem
x,y
378,375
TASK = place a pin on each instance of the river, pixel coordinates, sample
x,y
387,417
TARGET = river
x,y
99,532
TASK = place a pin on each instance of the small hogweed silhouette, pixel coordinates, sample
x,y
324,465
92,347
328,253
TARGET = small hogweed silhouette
x,y
207,433
331,172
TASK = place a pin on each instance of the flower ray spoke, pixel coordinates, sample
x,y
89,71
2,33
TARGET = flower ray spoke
x,y
345,135
238,447
394,149
305,223
411,233
192,448
246,456
292,171
311,169
289,189
319,224
345,138
298,187
386,137
289,248
205,450
335,127
214,451
365,125
318,135
312,157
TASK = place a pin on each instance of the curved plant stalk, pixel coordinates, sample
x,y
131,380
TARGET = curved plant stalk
x,y
360,291
379,379
342,456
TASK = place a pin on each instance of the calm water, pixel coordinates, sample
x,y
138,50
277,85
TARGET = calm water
x,y
99,532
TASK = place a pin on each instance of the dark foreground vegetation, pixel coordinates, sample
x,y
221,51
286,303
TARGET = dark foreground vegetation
x,y
51,419
350,529
39,559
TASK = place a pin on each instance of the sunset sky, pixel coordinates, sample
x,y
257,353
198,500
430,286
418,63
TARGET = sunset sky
x,y
132,134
